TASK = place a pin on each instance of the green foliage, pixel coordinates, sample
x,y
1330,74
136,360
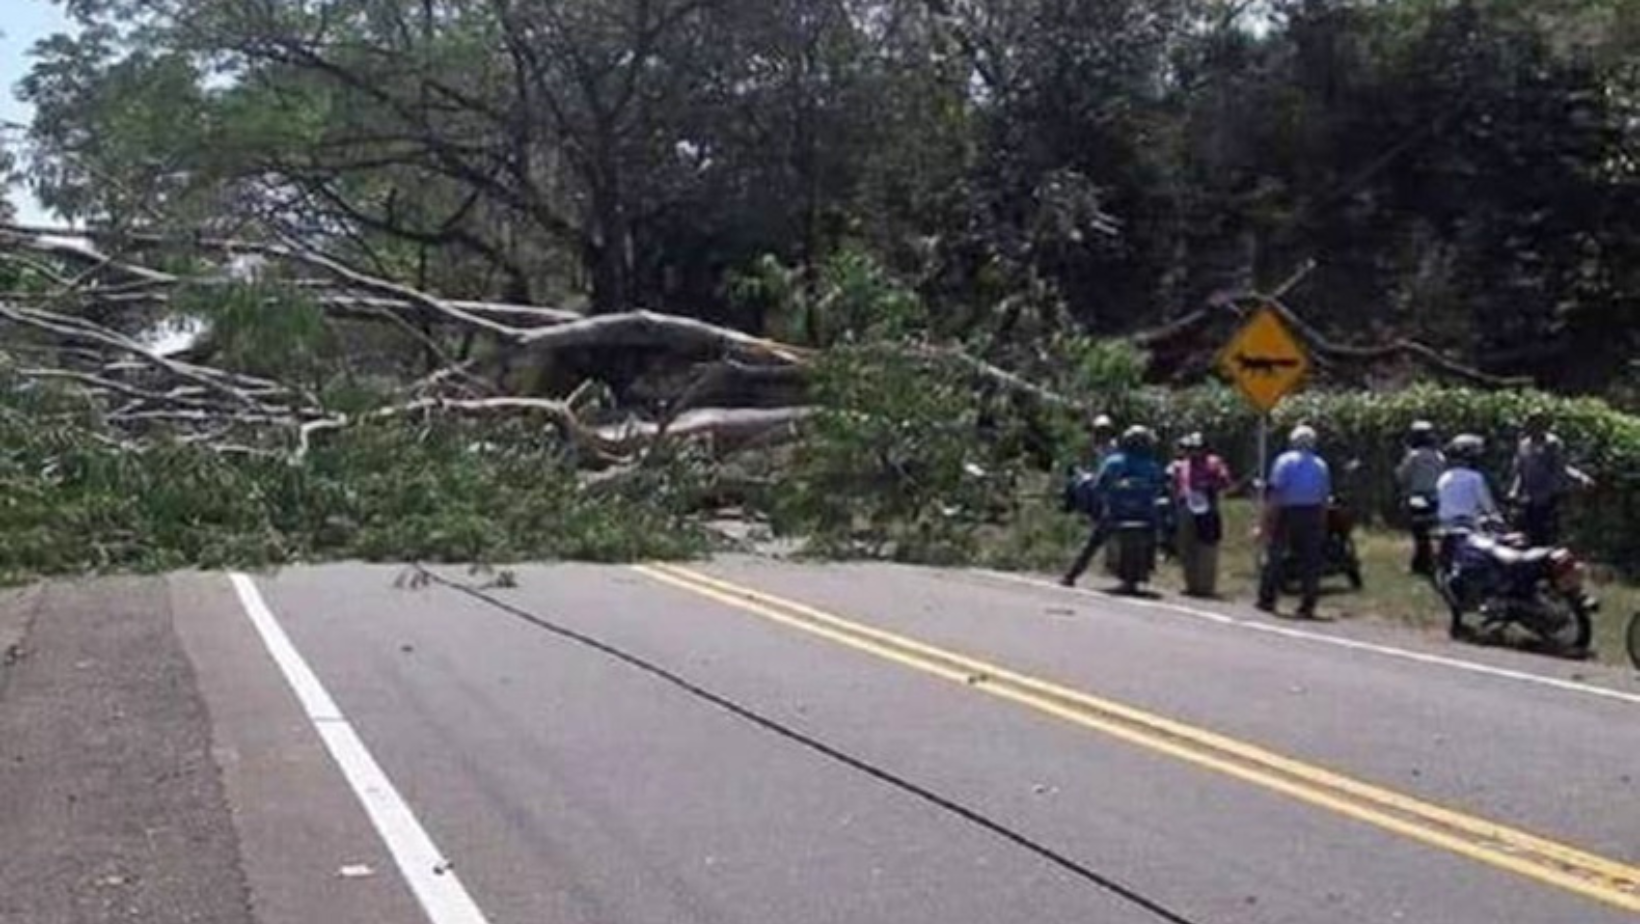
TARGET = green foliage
x,y
433,491
852,299
913,456
891,466
265,330
118,131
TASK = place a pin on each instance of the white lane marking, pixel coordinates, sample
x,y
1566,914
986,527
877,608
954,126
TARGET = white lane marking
x,y
1403,654
435,884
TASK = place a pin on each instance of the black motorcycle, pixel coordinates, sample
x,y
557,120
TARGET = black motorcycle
x,y
1131,556
1495,574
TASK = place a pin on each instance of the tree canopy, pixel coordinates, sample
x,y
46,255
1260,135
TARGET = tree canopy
x,y
1462,172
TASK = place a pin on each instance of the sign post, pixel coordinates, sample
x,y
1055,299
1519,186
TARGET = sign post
x,y
1266,363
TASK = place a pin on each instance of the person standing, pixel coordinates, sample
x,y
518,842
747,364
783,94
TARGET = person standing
x,y
1295,521
1080,494
1540,480
1417,475
1197,478
1102,440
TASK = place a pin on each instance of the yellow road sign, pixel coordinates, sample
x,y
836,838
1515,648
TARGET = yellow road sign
x,y
1264,360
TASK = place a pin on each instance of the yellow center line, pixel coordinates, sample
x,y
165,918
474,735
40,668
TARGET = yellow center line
x,y
1613,882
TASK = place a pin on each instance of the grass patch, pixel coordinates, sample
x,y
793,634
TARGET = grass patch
x,y
1043,540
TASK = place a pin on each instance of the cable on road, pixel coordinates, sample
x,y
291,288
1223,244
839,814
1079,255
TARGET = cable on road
x,y
973,816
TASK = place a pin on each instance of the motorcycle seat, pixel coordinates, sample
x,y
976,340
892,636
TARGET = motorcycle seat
x,y
1509,556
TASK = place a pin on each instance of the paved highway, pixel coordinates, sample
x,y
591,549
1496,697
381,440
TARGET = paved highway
x,y
753,741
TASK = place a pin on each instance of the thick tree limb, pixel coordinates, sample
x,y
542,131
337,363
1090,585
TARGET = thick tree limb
x,y
1402,348
649,329
183,397
229,385
723,425
609,444
996,375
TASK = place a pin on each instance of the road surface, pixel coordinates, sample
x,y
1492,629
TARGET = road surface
x,y
755,741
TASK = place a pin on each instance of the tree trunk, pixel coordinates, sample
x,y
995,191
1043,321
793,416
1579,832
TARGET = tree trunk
x,y
609,254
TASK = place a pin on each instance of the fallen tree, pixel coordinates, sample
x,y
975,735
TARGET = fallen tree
x,y
89,302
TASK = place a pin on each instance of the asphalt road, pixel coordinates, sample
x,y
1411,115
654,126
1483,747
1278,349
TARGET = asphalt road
x,y
751,741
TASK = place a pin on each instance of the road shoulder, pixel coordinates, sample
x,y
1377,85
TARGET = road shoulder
x,y
310,852
113,807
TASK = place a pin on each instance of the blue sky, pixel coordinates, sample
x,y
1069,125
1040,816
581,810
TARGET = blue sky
x,y
25,22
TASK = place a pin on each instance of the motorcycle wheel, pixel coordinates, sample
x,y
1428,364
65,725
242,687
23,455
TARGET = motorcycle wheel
x,y
1578,629
1634,639
1132,565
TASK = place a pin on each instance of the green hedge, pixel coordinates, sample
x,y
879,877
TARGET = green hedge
x,y
1371,427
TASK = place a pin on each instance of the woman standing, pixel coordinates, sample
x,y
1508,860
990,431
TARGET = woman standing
x,y
1196,479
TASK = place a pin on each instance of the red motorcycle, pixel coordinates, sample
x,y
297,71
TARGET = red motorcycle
x,y
1496,575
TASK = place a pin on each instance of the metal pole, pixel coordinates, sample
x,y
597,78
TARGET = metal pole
x,y
1263,483
1263,458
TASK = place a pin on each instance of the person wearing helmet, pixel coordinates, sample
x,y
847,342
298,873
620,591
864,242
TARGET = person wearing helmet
x,y
1465,504
1464,499
1540,480
1079,493
1197,478
1127,486
1417,474
1102,440
1295,519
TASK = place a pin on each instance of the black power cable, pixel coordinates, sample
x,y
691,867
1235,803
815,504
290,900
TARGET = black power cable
x,y
1080,870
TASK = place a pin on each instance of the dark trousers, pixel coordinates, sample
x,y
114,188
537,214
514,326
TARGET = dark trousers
x,y
1423,549
1299,532
1096,538
1540,520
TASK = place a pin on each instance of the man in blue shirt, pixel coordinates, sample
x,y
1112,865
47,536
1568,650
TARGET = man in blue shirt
x,y
1127,486
1295,518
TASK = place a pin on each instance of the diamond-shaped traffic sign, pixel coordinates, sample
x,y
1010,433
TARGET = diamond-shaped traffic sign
x,y
1264,360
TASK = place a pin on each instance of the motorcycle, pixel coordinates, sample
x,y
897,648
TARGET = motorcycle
x,y
1131,551
1132,555
1497,575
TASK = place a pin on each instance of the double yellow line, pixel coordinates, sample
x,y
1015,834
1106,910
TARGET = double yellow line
x,y
1610,881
